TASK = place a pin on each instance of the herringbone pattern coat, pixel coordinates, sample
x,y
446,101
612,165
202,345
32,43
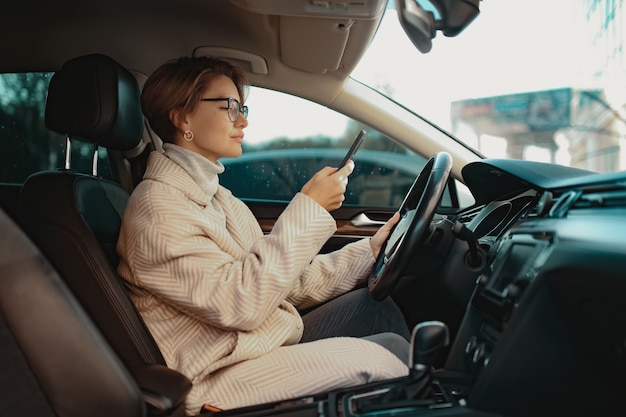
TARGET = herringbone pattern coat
x,y
221,299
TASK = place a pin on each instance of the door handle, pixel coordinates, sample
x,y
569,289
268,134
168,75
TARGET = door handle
x,y
362,220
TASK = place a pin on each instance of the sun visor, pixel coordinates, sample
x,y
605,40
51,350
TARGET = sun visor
x,y
321,49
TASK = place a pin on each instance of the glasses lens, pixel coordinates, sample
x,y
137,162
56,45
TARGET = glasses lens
x,y
234,109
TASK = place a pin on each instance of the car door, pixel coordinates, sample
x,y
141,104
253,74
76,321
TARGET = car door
x,y
289,139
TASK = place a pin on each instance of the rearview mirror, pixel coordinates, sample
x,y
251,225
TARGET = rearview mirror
x,y
421,19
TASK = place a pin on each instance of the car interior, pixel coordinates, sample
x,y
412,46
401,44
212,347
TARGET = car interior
x,y
515,301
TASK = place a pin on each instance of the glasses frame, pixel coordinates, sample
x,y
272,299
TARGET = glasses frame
x,y
238,107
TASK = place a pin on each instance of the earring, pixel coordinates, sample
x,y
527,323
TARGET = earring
x,y
188,135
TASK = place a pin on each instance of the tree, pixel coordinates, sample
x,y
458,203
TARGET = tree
x,y
27,145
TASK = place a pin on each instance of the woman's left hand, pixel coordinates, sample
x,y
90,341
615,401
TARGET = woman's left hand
x,y
377,241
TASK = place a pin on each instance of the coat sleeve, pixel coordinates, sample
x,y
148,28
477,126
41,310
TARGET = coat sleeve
x,y
176,252
333,274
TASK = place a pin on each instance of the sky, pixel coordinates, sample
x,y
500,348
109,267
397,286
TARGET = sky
x,y
512,46
273,115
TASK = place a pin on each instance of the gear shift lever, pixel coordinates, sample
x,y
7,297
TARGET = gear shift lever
x,y
427,340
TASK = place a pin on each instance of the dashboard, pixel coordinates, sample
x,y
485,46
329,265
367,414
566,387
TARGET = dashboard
x,y
544,330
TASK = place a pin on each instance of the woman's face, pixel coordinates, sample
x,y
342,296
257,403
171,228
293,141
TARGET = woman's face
x,y
214,135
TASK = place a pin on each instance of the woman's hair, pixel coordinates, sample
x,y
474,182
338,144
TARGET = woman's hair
x,y
178,85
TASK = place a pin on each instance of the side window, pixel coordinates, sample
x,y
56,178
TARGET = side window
x,y
27,145
289,139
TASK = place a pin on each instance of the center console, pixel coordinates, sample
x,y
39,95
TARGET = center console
x,y
499,290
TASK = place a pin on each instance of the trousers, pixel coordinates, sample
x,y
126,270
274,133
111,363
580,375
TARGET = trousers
x,y
357,314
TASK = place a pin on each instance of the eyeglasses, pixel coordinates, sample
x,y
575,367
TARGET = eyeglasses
x,y
234,107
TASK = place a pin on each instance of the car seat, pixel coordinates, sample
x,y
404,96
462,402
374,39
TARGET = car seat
x,y
54,361
74,218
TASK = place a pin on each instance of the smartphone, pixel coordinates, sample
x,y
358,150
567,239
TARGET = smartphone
x,y
353,148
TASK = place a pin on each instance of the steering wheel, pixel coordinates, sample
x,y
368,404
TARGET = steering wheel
x,y
408,235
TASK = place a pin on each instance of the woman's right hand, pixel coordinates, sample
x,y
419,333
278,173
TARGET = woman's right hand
x,y
328,185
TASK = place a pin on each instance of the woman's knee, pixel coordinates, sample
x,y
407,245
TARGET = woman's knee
x,y
394,343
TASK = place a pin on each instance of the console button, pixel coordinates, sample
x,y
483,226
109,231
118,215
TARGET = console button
x,y
471,346
480,353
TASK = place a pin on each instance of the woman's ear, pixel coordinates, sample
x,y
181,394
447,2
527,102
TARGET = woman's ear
x,y
176,119
180,122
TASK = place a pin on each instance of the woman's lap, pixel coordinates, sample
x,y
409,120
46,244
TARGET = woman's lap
x,y
342,346
357,314
303,369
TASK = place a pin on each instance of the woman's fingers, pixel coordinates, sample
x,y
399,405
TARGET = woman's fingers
x,y
327,186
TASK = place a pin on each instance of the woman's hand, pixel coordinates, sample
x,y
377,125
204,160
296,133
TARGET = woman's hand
x,y
327,186
377,241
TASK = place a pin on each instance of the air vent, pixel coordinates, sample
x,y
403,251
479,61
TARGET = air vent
x,y
563,204
602,199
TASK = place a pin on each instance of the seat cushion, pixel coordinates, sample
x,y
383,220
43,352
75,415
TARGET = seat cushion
x,y
41,325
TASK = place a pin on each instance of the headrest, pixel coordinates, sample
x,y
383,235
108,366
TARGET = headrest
x,y
95,99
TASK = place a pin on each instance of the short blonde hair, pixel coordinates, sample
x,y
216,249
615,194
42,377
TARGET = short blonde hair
x,y
178,85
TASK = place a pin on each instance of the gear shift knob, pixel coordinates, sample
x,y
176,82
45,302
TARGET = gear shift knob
x,y
427,340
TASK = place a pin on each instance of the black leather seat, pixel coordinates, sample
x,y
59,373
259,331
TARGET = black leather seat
x,y
75,218
54,361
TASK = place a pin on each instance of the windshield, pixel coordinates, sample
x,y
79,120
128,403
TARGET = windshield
x,y
528,79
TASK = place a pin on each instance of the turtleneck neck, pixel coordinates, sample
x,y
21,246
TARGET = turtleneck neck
x,y
203,171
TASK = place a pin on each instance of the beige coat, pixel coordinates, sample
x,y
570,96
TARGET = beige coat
x,y
215,292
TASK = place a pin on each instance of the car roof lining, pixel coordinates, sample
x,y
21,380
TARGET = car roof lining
x,y
290,57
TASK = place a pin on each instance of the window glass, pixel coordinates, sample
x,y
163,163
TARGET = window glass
x,y
27,145
528,79
289,139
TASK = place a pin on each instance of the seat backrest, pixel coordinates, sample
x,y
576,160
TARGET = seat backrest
x,y
75,218
54,361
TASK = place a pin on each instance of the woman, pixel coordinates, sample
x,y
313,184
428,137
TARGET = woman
x,y
221,299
